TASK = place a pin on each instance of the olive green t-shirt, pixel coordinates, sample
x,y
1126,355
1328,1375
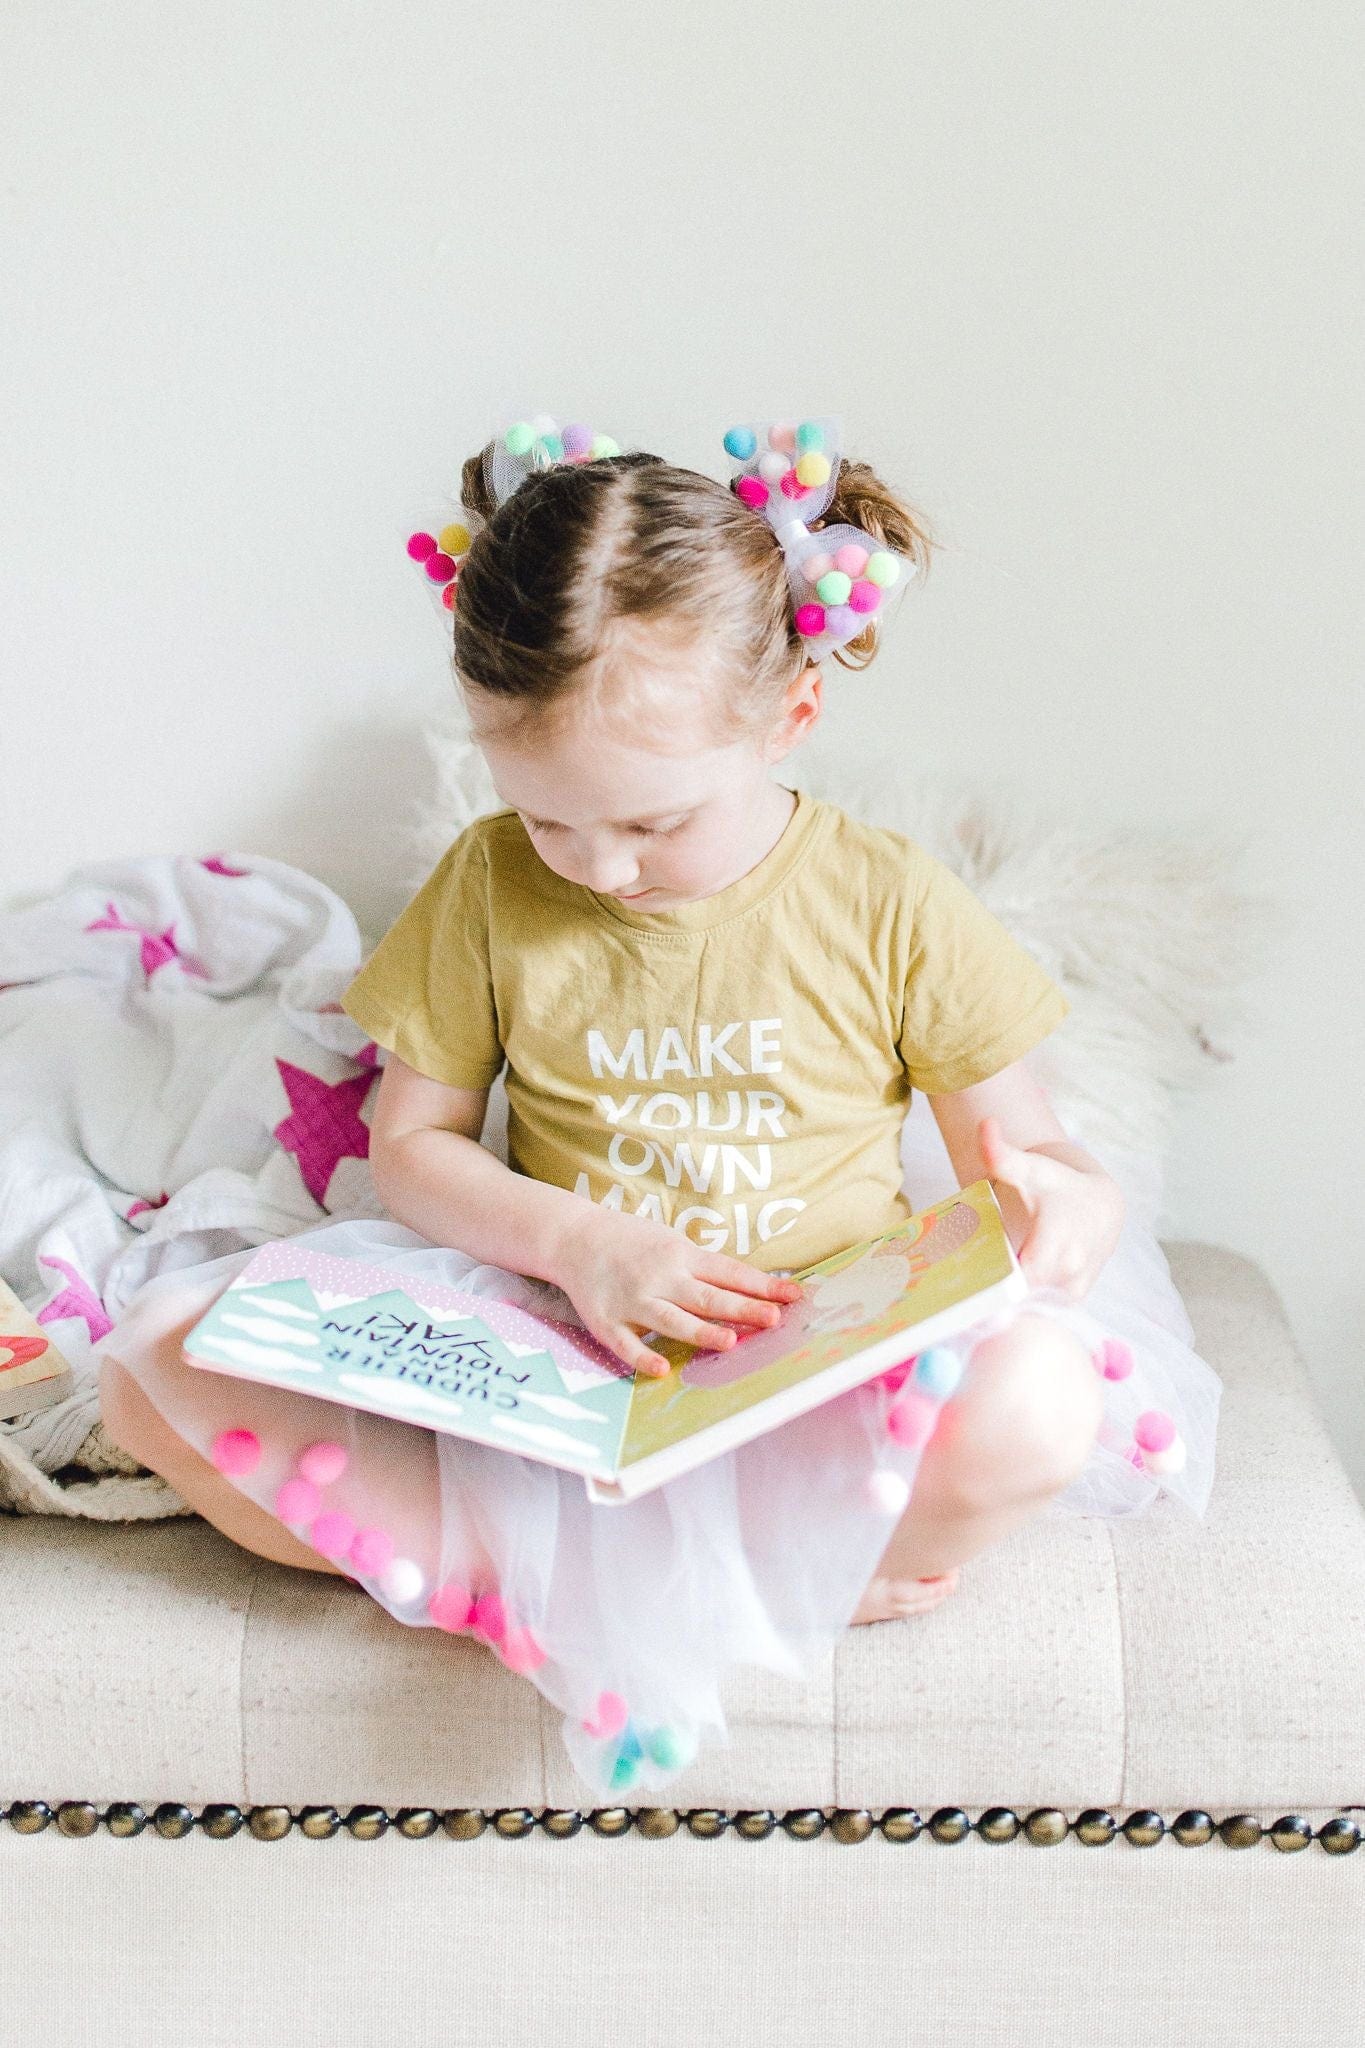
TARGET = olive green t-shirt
x,y
738,1067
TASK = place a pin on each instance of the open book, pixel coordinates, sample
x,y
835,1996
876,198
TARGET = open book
x,y
373,1338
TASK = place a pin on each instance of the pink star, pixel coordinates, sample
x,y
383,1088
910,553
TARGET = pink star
x,y
217,865
157,947
76,1300
324,1125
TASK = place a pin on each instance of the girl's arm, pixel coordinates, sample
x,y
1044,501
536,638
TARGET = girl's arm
x,y
431,1172
1065,1218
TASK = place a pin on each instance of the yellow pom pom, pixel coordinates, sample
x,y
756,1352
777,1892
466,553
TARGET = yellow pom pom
x,y
812,469
453,540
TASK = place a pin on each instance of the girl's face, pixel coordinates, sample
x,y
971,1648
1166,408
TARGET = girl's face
x,y
646,808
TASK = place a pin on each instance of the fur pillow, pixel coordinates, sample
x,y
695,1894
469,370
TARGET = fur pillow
x,y
1149,936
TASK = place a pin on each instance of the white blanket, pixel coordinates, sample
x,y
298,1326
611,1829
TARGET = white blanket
x,y
177,1081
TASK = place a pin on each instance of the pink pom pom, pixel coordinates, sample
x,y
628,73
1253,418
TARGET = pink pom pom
x,y
1116,1360
521,1651
448,597
440,567
333,1533
577,440
792,486
372,1552
810,620
864,596
783,437
298,1500
753,491
236,1451
895,1378
421,546
450,1607
321,1463
1154,1431
911,1421
852,560
609,1717
489,1617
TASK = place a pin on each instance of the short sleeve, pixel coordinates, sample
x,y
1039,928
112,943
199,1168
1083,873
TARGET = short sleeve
x,y
975,999
426,991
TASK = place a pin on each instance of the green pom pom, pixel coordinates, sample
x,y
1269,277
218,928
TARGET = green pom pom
x,y
882,569
834,587
518,439
623,1772
602,446
667,1749
809,437
553,446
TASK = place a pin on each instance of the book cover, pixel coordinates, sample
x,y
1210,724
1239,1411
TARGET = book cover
x,y
33,1372
373,1338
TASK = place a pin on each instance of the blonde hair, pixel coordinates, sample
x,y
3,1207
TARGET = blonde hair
x,y
557,583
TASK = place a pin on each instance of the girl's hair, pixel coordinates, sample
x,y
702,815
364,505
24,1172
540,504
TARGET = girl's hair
x,y
558,581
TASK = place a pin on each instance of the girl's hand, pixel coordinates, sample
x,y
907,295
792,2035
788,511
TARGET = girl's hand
x,y
626,1274
1074,1209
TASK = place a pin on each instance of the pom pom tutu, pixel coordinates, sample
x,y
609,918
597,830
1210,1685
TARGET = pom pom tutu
x,y
764,1552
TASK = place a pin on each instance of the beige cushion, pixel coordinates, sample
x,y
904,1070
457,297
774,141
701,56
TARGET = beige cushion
x,y
1154,1661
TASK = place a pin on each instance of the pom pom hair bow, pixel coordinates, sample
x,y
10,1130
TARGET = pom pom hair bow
x,y
440,547
840,577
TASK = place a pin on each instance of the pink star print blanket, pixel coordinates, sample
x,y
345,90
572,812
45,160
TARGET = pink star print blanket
x,y
177,1082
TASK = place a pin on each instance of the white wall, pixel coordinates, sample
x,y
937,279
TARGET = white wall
x,y
1081,275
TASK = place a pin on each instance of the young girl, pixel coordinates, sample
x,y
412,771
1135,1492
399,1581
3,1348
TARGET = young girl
x,y
713,995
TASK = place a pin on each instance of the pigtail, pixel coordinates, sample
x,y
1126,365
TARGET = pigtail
x,y
861,499
476,493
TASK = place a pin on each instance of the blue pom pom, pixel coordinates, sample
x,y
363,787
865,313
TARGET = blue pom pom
x,y
740,443
938,1371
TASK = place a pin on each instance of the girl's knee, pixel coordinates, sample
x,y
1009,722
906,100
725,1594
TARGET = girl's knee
x,y
1033,1400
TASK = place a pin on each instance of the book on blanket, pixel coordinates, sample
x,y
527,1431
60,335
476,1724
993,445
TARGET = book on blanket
x,y
33,1373
375,1338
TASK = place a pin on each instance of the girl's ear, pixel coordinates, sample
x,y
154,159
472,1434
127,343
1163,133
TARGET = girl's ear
x,y
800,712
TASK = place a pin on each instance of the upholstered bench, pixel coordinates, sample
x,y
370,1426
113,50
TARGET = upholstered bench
x,y
242,1805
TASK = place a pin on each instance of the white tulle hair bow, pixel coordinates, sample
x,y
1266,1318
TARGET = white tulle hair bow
x,y
787,470
841,577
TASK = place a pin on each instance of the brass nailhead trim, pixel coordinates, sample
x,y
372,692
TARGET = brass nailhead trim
x,y
320,1823
417,1822
1044,1826
902,1823
269,1823
656,1822
567,1822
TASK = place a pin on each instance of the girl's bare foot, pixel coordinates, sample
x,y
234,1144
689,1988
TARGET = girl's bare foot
x,y
895,1599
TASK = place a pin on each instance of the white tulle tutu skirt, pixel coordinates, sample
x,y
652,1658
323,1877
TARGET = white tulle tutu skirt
x,y
628,1617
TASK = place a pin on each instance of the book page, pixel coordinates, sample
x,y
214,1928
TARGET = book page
x,y
852,1300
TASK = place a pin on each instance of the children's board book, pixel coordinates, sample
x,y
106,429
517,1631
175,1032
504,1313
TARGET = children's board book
x,y
375,1338
33,1373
